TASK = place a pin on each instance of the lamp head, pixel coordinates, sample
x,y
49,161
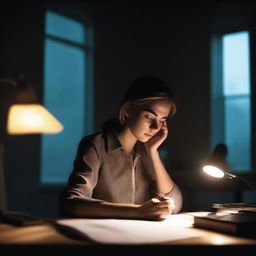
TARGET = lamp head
x,y
27,116
31,119
216,164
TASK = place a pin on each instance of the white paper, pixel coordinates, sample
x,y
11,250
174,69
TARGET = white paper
x,y
123,231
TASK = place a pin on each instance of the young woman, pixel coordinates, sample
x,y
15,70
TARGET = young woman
x,y
118,172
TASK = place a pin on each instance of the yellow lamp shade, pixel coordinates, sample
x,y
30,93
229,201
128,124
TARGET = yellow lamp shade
x,y
31,118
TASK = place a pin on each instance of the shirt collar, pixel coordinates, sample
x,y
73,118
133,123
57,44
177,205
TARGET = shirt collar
x,y
113,144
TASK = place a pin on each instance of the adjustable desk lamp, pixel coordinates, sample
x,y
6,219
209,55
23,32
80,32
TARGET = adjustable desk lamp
x,y
216,166
25,117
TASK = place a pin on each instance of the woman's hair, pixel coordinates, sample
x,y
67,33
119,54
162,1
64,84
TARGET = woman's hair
x,y
142,91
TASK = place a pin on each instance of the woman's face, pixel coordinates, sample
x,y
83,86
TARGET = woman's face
x,y
146,121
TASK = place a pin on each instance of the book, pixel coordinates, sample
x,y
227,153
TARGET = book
x,y
241,224
235,207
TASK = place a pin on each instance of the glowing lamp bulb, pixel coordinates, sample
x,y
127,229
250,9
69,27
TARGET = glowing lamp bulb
x,y
31,119
213,171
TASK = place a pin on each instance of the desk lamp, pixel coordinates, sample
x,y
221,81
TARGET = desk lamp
x,y
26,116
216,165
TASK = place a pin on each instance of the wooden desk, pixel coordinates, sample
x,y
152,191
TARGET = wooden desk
x,y
46,238
47,235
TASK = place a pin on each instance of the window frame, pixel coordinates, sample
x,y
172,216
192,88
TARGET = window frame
x,y
216,65
87,47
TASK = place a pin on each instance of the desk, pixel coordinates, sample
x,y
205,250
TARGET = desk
x,y
45,237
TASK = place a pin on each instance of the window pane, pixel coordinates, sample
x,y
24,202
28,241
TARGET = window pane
x,y
237,123
64,91
65,28
236,78
236,95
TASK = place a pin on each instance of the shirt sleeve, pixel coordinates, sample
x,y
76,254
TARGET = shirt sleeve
x,y
176,196
84,176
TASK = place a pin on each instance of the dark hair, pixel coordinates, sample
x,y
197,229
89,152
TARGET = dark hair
x,y
147,87
141,91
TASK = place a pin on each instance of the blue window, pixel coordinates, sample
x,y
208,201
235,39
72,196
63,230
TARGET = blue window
x,y
231,106
67,94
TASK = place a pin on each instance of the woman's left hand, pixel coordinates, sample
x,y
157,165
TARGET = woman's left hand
x,y
154,143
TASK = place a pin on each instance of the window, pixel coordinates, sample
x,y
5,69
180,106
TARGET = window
x,y
231,106
67,94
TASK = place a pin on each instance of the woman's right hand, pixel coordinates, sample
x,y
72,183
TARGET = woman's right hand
x,y
155,209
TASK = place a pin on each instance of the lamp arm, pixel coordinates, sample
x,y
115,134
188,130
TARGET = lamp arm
x,y
8,81
233,176
248,183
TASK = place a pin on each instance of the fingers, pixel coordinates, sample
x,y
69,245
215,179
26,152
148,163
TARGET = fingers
x,y
169,202
164,129
162,208
164,125
157,208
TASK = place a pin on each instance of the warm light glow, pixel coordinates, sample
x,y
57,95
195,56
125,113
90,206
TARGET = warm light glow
x,y
213,171
31,118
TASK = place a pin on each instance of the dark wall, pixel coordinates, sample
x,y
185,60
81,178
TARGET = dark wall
x,y
21,52
163,40
131,38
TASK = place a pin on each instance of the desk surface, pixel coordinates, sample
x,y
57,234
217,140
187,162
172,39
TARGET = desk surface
x,y
47,234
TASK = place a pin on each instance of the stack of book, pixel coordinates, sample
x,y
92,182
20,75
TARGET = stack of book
x,y
232,218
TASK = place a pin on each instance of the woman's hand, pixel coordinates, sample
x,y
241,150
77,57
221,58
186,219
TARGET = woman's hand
x,y
154,143
156,208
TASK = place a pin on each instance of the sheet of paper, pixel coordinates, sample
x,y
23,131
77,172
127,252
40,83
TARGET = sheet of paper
x,y
122,231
